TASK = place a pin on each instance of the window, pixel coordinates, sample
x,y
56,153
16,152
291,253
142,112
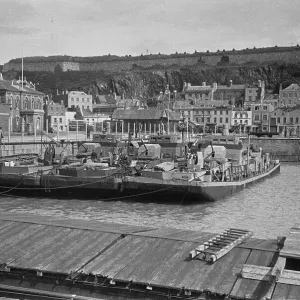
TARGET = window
x,y
297,120
72,99
284,120
55,120
82,99
221,112
208,120
278,120
226,112
282,114
241,121
215,112
60,120
17,102
87,100
291,120
265,128
221,120
265,107
283,94
215,120
256,117
265,117
246,121
256,108
226,120
250,91
88,107
290,95
250,98
77,100
202,120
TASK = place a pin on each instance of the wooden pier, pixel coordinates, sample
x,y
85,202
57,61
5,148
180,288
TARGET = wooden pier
x,y
93,260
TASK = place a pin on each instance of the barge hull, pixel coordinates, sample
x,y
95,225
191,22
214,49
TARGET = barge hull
x,y
171,190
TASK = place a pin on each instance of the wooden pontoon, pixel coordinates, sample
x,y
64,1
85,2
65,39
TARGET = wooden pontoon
x,y
103,260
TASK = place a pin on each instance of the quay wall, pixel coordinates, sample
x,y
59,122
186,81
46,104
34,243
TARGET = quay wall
x,y
113,63
36,148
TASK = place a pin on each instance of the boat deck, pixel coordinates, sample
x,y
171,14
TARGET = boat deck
x,y
96,258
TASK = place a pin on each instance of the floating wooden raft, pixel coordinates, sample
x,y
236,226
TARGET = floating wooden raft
x,y
221,244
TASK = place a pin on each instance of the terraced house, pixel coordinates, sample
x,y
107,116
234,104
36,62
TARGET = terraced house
x,y
285,120
290,96
26,105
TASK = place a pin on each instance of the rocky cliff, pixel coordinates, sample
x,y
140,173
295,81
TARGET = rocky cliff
x,y
150,82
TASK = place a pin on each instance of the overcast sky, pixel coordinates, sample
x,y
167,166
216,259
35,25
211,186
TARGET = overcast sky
x,y
99,27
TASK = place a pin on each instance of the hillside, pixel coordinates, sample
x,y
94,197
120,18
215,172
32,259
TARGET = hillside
x,y
149,83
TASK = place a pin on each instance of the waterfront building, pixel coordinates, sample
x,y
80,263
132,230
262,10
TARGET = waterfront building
x,y
272,99
55,116
230,94
285,120
290,96
241,120
72,99
149,120
89,117
26,104
205,116
5,112
261,116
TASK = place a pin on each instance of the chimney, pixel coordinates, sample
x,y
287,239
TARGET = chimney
x,y
230,83
280,88
215,86
1,77
61,102
67,92
63,92
203,83
259,83
57,92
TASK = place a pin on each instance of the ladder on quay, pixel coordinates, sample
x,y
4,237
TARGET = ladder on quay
x,y
220,245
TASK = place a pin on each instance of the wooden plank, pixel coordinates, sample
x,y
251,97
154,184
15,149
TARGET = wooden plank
x,y
40,247
55,250
286,292
260,244
290,277
256,272
157,262
119,257
19,238
73,223
127,273
165,275
262,258
250,289
75,257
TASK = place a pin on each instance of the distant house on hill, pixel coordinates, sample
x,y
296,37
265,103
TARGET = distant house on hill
x,y
290,96
72,99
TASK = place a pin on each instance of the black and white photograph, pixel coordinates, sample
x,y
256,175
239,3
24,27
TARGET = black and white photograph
x,y
149,149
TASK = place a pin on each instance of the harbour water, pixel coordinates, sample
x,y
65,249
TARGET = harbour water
x,y
268,208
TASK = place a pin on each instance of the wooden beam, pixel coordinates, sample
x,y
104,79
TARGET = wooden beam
x,y
256,272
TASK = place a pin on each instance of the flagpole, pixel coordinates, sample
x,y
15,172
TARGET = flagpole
x,y
22,66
